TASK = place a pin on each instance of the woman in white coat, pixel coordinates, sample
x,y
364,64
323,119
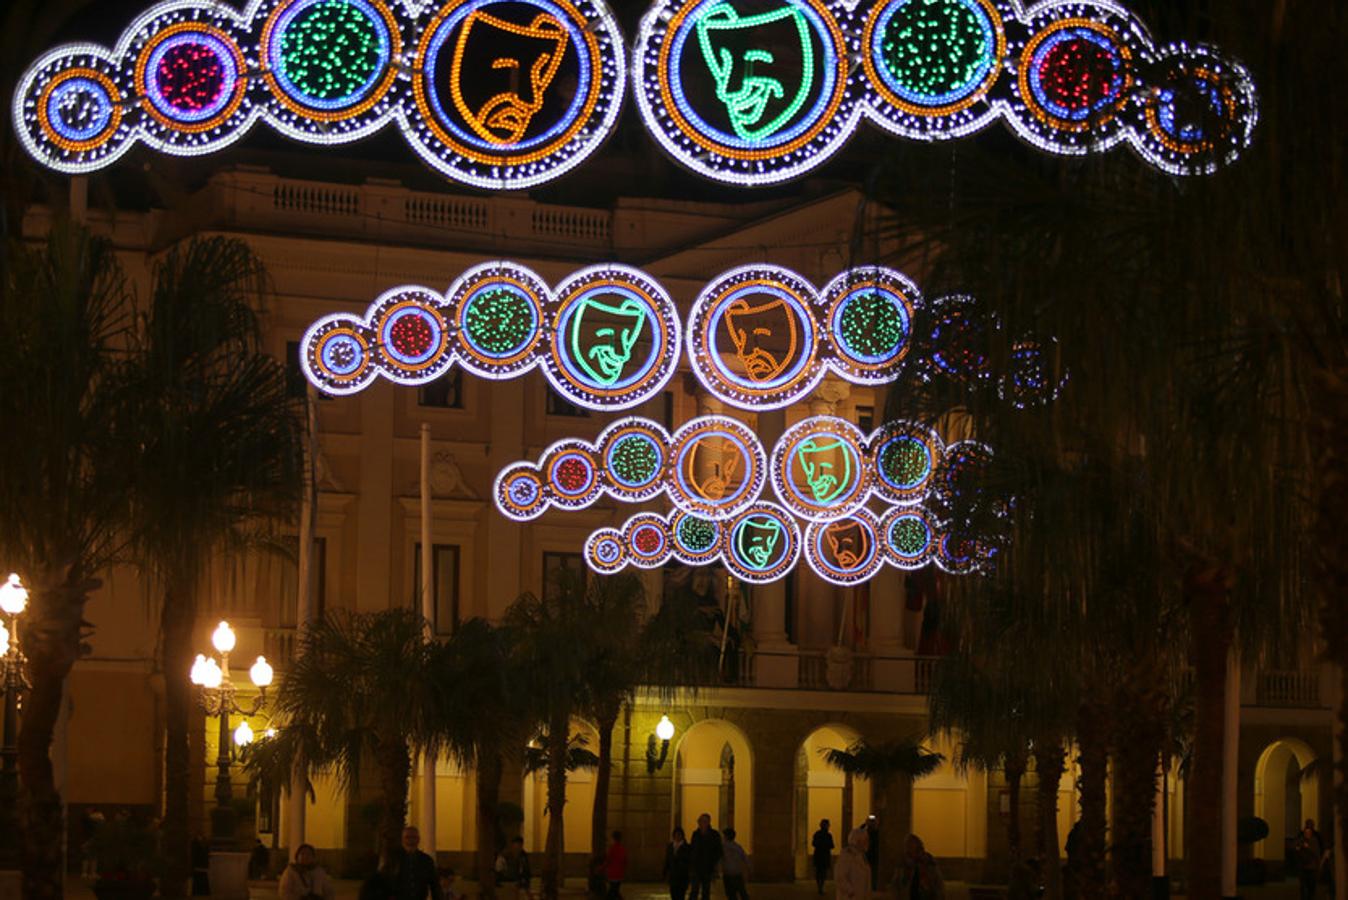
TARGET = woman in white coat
x,y
851,873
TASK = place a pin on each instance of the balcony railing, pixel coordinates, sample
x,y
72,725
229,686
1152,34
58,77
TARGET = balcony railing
x,y
1288,688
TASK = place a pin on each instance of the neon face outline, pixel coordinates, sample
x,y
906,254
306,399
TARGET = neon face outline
x,y
848,542
827,467
756,540
750,327
507,111
610,346
747,105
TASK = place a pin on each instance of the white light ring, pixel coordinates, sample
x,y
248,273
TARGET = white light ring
x,y
646,539
955,465
337,355
391,315
836,302
471,288
723,493
821,553
520,493
695,541
617,447
904,473
606,551
31,93
841,495
727,297
576,378
897,528
754,531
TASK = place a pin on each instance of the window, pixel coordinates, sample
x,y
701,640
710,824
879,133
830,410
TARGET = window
x,y
558,566
296,384
445,392
789,605
444,582
557,405
866,418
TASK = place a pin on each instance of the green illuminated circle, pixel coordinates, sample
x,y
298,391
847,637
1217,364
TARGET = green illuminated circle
x,y
634,460
905,462
696,535
909,536
499,321
935,49
872,326
330,50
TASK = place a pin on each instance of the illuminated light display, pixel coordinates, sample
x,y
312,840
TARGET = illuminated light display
x,y
716,467
845,551
962,472
762,544
959,340
906,457
695,540
819,468
605,551
607,338
909,535
646,540
869,314
1032,377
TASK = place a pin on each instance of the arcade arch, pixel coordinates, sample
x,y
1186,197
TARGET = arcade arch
x,y
1282,797
714,774
822,792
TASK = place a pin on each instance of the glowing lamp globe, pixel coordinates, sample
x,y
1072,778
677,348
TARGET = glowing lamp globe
x,y
269,733
223,638
243,735
211,675
664,729
198,674
261,672
13,595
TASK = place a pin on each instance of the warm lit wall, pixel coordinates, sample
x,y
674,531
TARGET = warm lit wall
x,y
699,755
112,741
949,809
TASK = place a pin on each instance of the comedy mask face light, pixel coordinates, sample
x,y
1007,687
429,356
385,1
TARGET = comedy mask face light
x,y
764,335
848,541
712,466
603,334
757,63
758,539
498,99
827,465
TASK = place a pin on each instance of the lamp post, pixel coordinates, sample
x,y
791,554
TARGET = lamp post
x,y
13,599
219,697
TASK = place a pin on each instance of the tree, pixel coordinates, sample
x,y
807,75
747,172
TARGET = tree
x,y
63,480
220,464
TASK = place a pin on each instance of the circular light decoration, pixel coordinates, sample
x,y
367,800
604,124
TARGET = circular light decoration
x,y
498,314
1200,111
412,335
606,551
762,544
512,93
337,356
519,492
329,66
615,338
747,93
819,468
906,457
646,537
753,339
931,65
1075,76
845,551
869,314
960,333
1032,377
189,74
716,467
69,111
571,475
963,471
910,535
958,554
695,540
633,451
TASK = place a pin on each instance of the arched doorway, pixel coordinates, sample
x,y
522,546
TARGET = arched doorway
x,y
578,812
822,792
714,775
1282,797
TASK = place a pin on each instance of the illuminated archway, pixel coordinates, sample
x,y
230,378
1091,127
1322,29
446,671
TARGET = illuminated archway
x,y
578,812
714,775
1282,798
823,792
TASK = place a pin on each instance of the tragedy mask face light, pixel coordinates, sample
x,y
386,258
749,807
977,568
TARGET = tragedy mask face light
x,y
712,466
827,465
500,101
603,335
849,543
757,541
765,337
761,87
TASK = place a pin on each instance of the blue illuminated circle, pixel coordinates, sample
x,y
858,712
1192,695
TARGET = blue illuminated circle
x,y
763,544
608,551
909,539
342,354
412,336
971,78
872,325
634,460
844,551
800,353
277,64
201,94
582,372
696,537
904,462
1057,73
523,491
716,492
646,540
1190,131
499,321
79,109
572,473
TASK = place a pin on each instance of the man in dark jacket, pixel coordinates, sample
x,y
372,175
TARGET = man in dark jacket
x,y
706,853
412,872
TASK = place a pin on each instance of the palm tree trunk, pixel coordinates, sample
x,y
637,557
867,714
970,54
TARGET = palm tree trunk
x,y
607,721
490,841
395,770
1014,767
50,636
1049,761
176,629
1212,634
1139,707
558,733
1093,738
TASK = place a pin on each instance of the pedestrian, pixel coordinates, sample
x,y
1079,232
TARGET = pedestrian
x,y
704,856
918,878
413,873
821,854
615,866
1309,850
852,874
734,867
512,869
258,859
305,879
678,857
447,884
873,849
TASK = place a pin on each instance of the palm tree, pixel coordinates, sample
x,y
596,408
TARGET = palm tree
x,y
63,480
220,463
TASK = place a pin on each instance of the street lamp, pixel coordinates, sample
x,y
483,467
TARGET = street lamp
x,y
664,733
13,599
219,698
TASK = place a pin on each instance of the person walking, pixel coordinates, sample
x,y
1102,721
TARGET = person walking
x,y
512,869
615,866
852,874
305,879
1309,850
413,874
704,855
678,858
821,854
872,827
734,867
918,878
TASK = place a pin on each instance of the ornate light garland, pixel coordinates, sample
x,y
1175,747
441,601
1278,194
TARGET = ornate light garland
x,y
506,94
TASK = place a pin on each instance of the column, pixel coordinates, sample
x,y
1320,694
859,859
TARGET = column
x,y
776,663
1230,759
